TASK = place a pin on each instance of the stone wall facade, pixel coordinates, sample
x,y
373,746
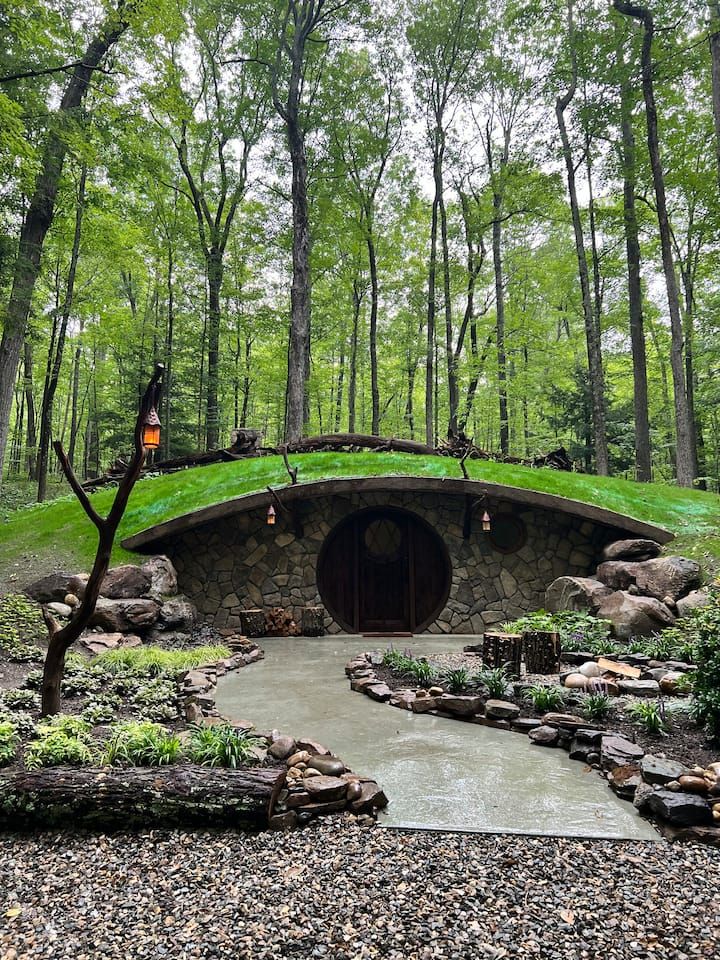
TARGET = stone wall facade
x,y
241,561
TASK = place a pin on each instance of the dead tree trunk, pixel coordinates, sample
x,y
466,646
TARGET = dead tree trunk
x,y
108,797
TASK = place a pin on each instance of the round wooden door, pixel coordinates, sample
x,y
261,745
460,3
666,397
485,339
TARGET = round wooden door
x,y
384,570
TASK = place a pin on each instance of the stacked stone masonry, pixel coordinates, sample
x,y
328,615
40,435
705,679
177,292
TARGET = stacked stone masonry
x,y
240,561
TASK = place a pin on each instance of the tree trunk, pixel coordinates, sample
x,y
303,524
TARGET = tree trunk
x,y
447,307
431,303
374,296
31,434
500,324
714,40
643,455
74,418
683,425
212,415
51,380
352,384
169,346
139,796
40,215
299,346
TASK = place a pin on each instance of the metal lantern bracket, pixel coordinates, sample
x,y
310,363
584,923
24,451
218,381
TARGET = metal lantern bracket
x,y
471,505
290,512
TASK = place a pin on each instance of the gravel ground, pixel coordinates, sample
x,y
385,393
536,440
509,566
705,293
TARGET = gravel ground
x,y
346,892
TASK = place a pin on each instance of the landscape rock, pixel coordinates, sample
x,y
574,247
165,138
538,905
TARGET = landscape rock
x,y
639,688
693,601
371,798
590,669
326,789
634,616
631,550
77,584
668,576
163,577
684,809
50,588
462,706
378,691
282,748
575,593
312,747
625,780
96,643
71,600
669,682
617,574
501,710
658,770
424,704
402,699
329,766
642,796
60,609
125,582
619,752
545,736
693,784
177,614
125,616
576,681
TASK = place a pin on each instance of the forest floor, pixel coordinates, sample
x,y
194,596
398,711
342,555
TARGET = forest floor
x,y
35,539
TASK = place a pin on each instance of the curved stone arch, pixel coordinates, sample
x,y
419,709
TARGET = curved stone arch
x,y
623,525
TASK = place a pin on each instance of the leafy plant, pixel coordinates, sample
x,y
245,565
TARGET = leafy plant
x,y
495,681
457,680
23,723
221,746
577,630
63,740
9,742
545,698
651,715
156,662
705,625
19,700
21,628
156,700
597,706
421,672
141,745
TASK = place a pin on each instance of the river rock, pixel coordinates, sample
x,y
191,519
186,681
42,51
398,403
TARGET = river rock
x,y
312,747
163,577
590,669
639,688
462,706
125,616
545,736
125,582
371,798
631,550
668,577
684,809
576,681
693,601
575,593
329,766
693,784
501,710
619,752
49,589
60,609
658,770
282,748
634,616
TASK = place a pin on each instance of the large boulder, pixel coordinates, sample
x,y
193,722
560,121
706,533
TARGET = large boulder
x,y
667,577
49,589
124,583
631,550
633,616
177,614
684,809
693,601
617,574
575,593
125,616
163,577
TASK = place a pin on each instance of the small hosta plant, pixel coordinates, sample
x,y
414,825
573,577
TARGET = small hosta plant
x,y
544,698
9,743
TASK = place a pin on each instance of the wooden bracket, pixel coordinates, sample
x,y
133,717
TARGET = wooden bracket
x,y
291,512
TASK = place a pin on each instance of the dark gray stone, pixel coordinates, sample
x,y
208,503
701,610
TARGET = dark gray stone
x,y
124,583
659,770
684,809
545,736
631,550
619,752
53,587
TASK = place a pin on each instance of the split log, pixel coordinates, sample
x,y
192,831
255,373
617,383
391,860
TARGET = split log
x,y
252,622
542,651
139,796
280,623
503,650
313,622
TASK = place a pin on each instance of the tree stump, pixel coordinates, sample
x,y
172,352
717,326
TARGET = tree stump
x,y
138,796
542,651
252,622
313,622
503,650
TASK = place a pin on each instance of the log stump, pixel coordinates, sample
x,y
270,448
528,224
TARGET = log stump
x,y
542,651
252,622
313,622
503,650
139,796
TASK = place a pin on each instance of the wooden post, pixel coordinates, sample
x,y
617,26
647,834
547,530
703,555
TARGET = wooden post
x,y
313,622
503,650
252,622
542,651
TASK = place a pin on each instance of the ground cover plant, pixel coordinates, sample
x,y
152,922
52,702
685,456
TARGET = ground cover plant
x,y
21,629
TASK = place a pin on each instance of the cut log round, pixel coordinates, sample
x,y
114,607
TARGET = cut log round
x,y
252,622
109,796
503,650
542,651
313,622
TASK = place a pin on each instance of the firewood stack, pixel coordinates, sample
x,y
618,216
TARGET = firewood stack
x,y
279,622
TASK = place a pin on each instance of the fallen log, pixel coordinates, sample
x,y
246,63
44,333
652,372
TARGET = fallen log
x,y
139,796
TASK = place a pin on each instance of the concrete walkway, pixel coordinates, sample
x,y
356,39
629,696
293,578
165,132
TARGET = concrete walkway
x,y
439,774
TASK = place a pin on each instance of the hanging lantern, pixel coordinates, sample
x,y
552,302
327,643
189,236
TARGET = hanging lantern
x,y
270,517
151,430
486,522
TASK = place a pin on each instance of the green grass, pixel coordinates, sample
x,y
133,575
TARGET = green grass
x,y
50,535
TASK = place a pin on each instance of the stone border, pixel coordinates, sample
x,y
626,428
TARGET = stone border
x,y
672,795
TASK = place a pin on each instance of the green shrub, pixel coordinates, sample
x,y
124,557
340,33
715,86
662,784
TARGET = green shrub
x,y
577,630
495,681
156,700
421,672
156,662
9,742
23,722
651,715
62,740
19,700
141,745
221,746
101,710
21,628
597,706
545,698
457,680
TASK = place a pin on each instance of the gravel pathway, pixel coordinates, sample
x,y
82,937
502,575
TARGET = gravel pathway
x,y
347,892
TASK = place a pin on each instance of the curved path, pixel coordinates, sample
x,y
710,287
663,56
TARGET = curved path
x,y
439,774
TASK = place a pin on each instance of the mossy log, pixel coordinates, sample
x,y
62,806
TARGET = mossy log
x,y
139,796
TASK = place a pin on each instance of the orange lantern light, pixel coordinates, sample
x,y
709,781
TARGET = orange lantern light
x,y
270,518
151,430
486,522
